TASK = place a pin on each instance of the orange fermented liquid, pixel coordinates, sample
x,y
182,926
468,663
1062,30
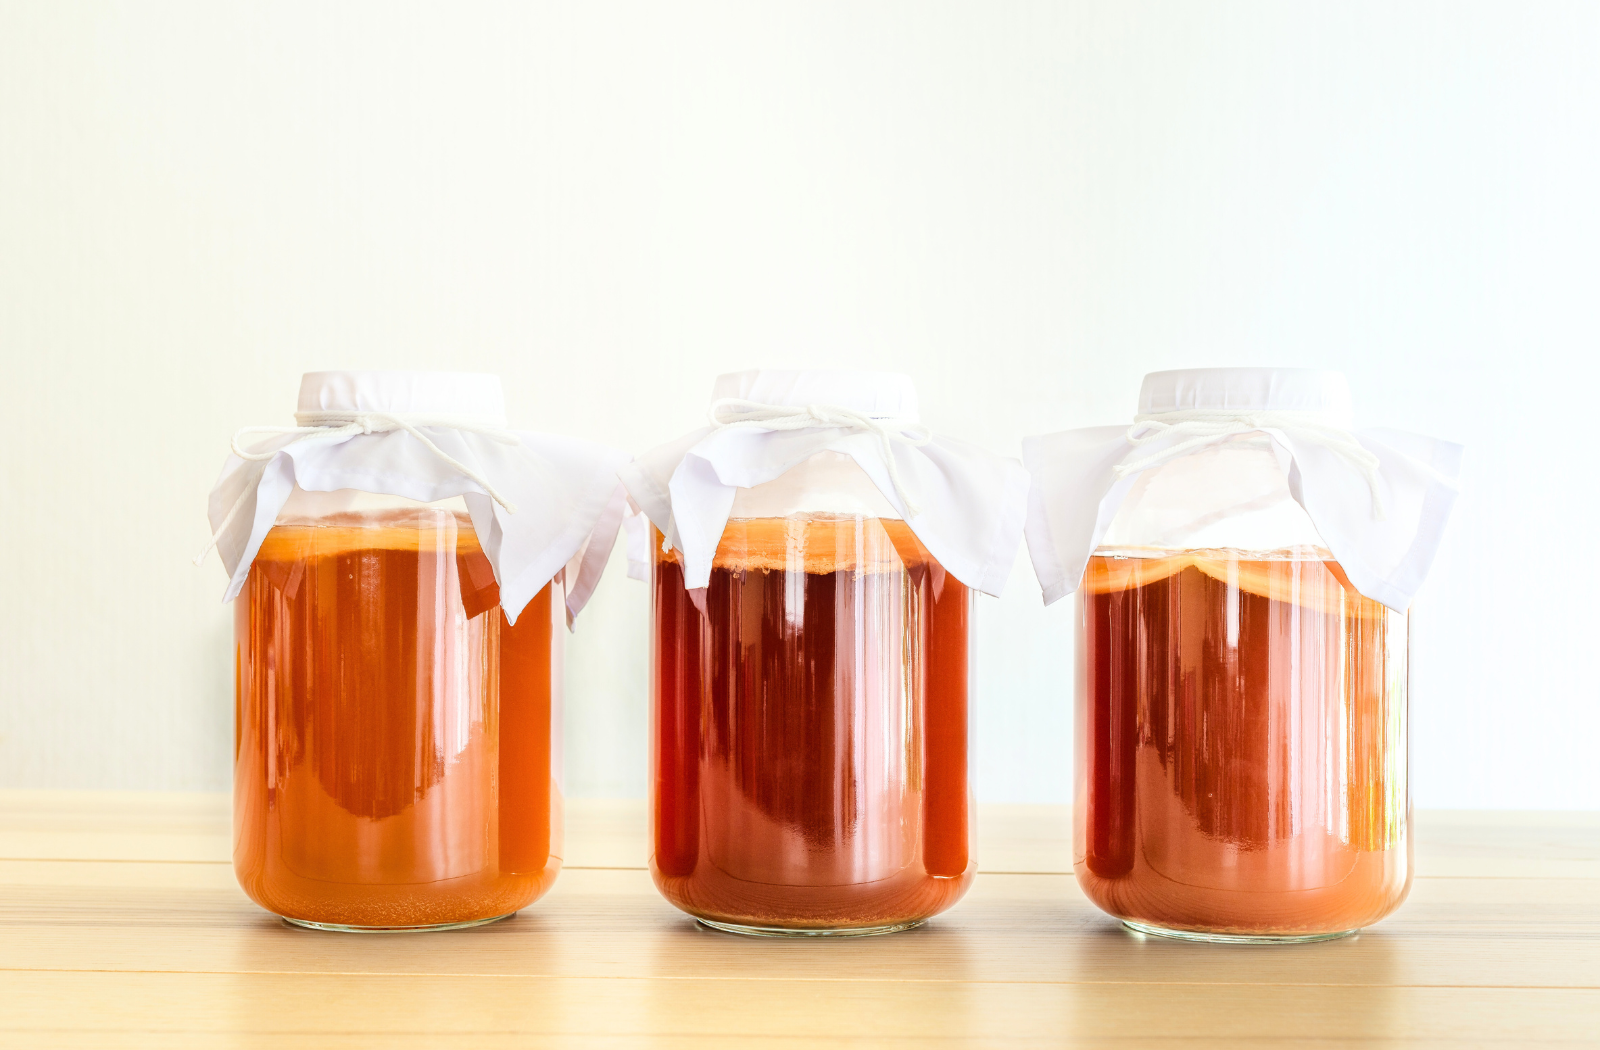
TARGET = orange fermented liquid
x,y
394,731
1242,756
810,730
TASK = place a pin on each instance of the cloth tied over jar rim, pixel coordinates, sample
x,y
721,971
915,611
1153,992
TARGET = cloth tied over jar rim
x,y
1378,497
537,501
964,504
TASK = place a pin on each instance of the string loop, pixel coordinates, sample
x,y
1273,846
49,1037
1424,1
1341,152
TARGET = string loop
x,y
736,412
337,425
1200,426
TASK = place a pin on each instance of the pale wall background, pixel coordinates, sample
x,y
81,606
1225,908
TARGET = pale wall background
x,y
1025,206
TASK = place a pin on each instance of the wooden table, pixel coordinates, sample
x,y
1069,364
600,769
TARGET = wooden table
x,y
121,925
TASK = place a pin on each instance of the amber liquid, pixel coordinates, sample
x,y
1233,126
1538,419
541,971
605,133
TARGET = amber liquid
x,y
392,763
810,729
1242,755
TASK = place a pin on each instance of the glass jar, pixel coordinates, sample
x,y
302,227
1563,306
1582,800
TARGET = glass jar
x,y
397,743
1241,714
809,762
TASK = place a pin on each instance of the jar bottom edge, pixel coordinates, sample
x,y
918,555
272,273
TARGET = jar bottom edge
x,y
333,927
1235,938
792,931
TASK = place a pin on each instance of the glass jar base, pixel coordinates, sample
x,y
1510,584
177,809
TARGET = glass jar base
x,y
1235,938
794,931
333,927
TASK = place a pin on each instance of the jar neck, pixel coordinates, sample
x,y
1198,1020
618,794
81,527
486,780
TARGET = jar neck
x,y
354,508
827,484
1233,496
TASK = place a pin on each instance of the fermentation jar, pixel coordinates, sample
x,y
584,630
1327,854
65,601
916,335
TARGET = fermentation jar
x,y
1242,653
811,656
397,744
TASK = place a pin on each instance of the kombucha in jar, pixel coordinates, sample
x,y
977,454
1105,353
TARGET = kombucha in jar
x,y
1245,562
1241,737
396,742
809,732
1242,745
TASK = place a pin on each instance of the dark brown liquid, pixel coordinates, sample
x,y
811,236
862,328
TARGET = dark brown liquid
x,y
810,736
1242,740
393,734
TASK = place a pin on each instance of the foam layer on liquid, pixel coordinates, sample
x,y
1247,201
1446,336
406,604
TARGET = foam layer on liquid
x,y
815,545
1298,577
388,530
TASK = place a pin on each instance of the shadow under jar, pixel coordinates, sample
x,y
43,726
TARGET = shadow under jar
x,y
1241,716
394,732
809,736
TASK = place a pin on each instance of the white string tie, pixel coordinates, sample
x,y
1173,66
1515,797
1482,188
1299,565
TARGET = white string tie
x,y
1206,426
336,425
736,412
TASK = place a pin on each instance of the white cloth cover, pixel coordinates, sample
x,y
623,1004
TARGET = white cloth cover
x,y
568,503
1385,546
636,534
972,504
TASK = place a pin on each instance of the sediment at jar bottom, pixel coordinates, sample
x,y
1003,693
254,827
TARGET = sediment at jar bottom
x,y
393,736
906,897
1242,726
468,899
1377,884
810,741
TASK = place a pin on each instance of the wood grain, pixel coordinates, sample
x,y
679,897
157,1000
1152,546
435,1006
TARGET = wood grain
x,y
371,1011
121,925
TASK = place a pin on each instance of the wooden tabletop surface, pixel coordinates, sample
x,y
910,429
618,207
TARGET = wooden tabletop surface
x,y
121,925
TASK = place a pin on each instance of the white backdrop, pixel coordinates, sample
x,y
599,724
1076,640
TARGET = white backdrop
x,y
1025,206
